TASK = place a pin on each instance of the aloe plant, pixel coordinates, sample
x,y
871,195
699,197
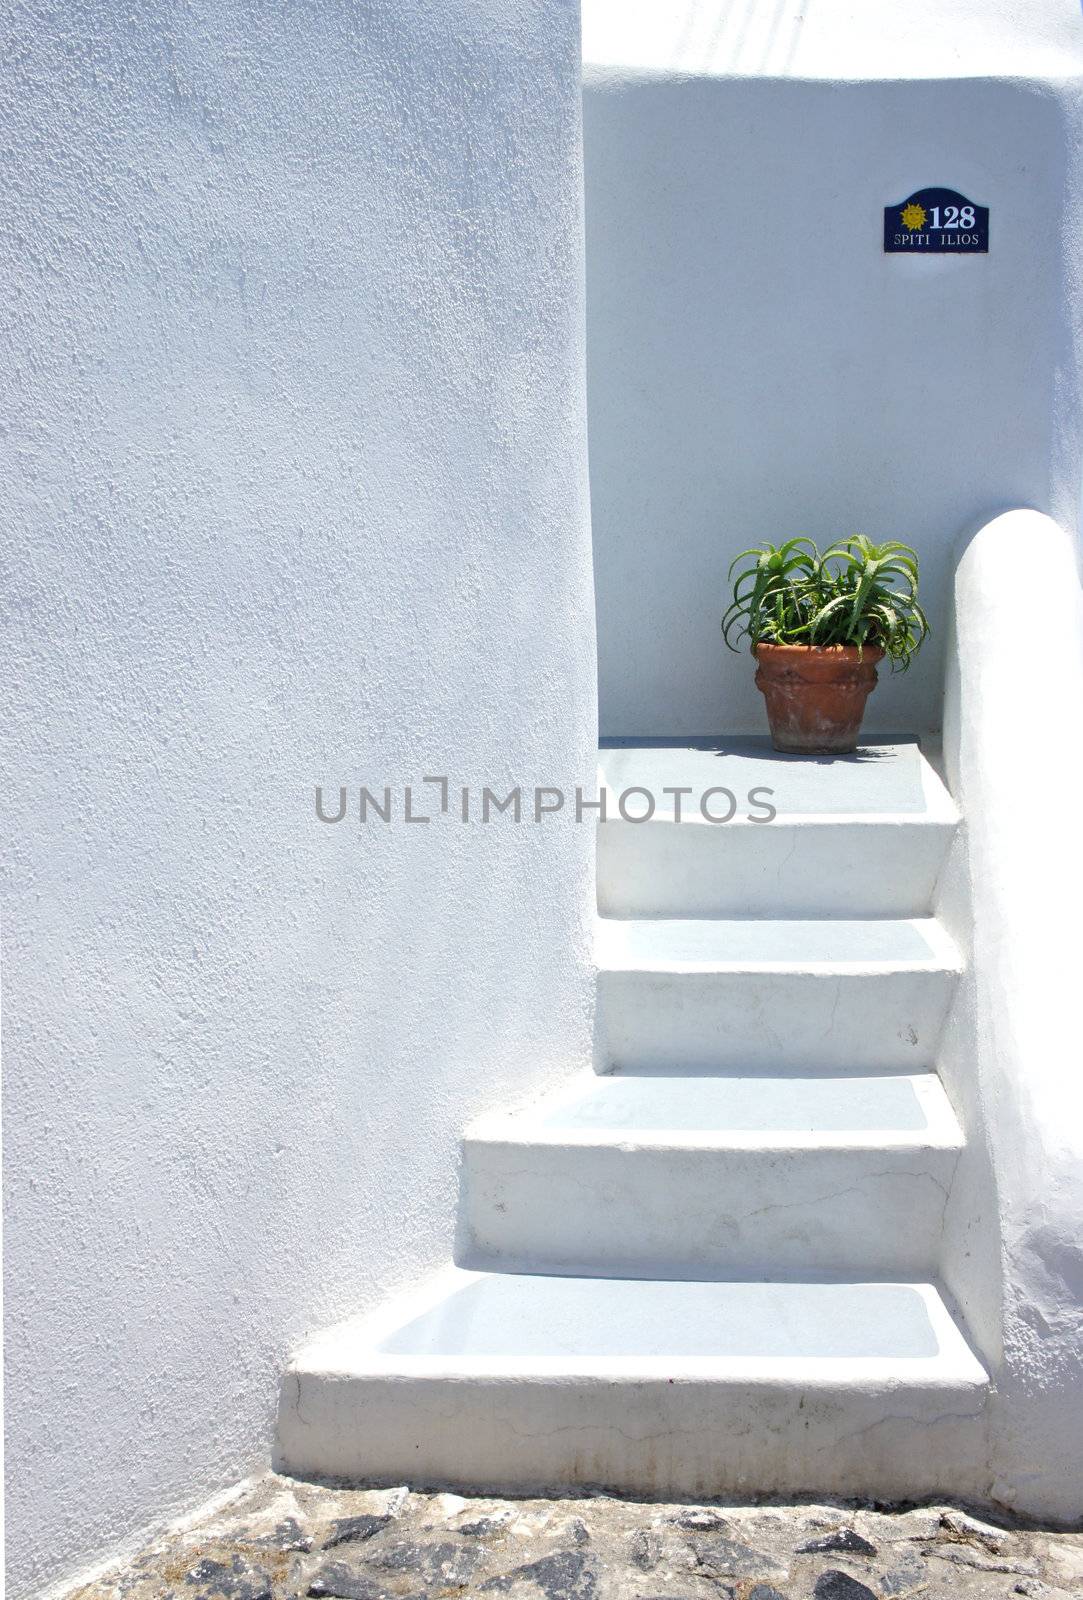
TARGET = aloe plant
x,y
855,593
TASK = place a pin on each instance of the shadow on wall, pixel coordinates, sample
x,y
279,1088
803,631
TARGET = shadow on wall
x,y
757,367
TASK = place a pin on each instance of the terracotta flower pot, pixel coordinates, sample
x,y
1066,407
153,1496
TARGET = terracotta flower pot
x,y
815,694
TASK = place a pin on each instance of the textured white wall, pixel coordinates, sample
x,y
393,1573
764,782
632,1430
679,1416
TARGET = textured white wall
x,y
293,404
759,368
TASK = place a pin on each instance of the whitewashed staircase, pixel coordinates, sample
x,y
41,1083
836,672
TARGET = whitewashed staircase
x,y
712,1266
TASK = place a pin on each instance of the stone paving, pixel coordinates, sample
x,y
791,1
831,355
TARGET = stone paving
x,y
278,1539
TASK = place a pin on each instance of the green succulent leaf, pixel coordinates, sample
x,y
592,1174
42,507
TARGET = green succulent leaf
x,y
855,593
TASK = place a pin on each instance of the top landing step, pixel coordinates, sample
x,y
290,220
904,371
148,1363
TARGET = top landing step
x,y
753,833
882,779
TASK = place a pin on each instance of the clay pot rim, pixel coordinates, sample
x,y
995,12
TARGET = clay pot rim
x,y
839,652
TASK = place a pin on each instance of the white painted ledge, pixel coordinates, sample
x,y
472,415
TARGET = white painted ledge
x,y
830,39
658,1387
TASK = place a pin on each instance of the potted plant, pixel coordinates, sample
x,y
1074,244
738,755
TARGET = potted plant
x,y
818,625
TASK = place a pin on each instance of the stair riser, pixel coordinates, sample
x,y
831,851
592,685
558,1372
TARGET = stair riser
x,y
686,1213
784,1022
775,869
657,1437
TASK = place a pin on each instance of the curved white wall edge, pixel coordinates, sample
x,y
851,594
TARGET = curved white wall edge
x,y
1014,1229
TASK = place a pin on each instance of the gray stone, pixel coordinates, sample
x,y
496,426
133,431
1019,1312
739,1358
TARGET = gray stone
x,y
232,1580
566,1575
835,1585
586,1547
960,1525
354,1530
907,1575
726,1558
962,1555
483,1527
443,1565
646,1549
342,1582
288,1535
844,1539
701,1519
887,1527
826,1516
1065,1558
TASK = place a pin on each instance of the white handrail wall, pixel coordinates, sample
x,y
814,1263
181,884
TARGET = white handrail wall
x,y
1013,747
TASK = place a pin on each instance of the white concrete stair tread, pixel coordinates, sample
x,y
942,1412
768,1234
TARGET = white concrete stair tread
x,y
707,1177
737,1111
704,944
773,996
543,1320
863,835
508,1381
881,779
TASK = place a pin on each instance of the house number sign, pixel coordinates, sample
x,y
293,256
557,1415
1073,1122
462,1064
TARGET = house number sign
x,y
932,221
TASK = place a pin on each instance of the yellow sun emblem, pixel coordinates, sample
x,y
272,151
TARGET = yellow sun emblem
x,y
913,217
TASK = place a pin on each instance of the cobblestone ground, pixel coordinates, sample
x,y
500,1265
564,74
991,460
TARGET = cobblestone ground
x,y
279,1539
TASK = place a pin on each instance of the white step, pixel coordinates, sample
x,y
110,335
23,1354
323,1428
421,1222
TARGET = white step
x,y
782,996
661,1388
860,836
704,1177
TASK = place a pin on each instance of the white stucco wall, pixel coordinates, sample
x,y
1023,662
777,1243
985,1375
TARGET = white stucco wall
x,y
296,494
758,367
1014,1221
